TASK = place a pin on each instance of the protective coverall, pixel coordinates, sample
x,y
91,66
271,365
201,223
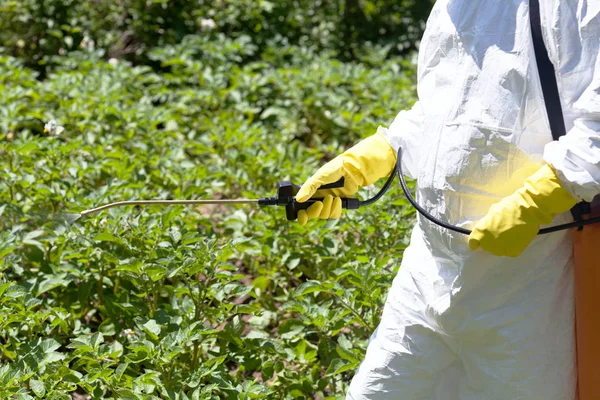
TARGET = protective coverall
x,y
463,325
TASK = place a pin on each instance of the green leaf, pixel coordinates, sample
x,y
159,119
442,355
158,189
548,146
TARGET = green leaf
x,y
292,260
96,340
107,328
175,235
338,366
49,345
120,371
347,355
362,259
107,237
52,282
73,377
98,393
344,342
152,328
37,387
6,251
32,235
28,148
308,288
4,287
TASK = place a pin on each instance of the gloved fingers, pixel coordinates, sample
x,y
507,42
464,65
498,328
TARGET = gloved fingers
x,y
327,203
475,238
509,241
302,217
311,188
336,208
315,210
329,208
474,244
328,173
306,191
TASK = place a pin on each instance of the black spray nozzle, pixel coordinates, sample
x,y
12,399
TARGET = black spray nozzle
x,y
286,197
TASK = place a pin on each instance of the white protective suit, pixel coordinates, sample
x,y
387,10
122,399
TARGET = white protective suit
x,y
461,325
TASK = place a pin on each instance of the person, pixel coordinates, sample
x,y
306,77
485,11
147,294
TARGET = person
x,y
489,316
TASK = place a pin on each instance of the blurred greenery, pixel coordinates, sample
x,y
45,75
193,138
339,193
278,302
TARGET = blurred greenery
x,y
191,100
36,29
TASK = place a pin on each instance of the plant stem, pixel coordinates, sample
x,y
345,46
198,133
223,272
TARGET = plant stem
x,y
353,311
99,286
154,301
117,284
195,356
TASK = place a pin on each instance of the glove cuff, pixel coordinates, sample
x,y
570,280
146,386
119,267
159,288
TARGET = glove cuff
x,y
546,190
371,159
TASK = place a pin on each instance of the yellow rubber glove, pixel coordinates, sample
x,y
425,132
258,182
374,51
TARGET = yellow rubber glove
x,y
371,159
511,224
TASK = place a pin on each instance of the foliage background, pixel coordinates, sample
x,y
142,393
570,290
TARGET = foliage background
x,y
191,99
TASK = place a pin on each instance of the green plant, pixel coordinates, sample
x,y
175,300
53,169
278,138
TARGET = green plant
x,y
189,303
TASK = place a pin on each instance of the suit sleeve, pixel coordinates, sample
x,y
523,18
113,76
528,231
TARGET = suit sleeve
x,y
405,133
576,156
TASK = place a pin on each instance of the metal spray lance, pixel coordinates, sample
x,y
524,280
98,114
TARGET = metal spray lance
x,y
285,197
287,191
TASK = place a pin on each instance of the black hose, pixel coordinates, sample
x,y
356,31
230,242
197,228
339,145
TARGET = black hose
x,y
379,195
417,206
424,213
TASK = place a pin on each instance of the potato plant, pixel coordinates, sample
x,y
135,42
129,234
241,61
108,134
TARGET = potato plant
x,y
180,302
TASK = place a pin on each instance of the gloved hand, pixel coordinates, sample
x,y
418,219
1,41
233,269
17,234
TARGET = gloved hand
x,y
511,224
371,159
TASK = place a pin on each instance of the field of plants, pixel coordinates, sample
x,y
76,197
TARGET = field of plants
x,y
170,99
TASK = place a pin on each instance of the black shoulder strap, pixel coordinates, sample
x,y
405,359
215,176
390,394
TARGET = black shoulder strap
x,y
547,74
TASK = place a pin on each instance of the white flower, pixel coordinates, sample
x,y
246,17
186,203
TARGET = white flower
x,y
113,62
208,24
128,332
52,128
87,43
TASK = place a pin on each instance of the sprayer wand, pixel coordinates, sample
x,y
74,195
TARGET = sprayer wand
x,y
285,197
